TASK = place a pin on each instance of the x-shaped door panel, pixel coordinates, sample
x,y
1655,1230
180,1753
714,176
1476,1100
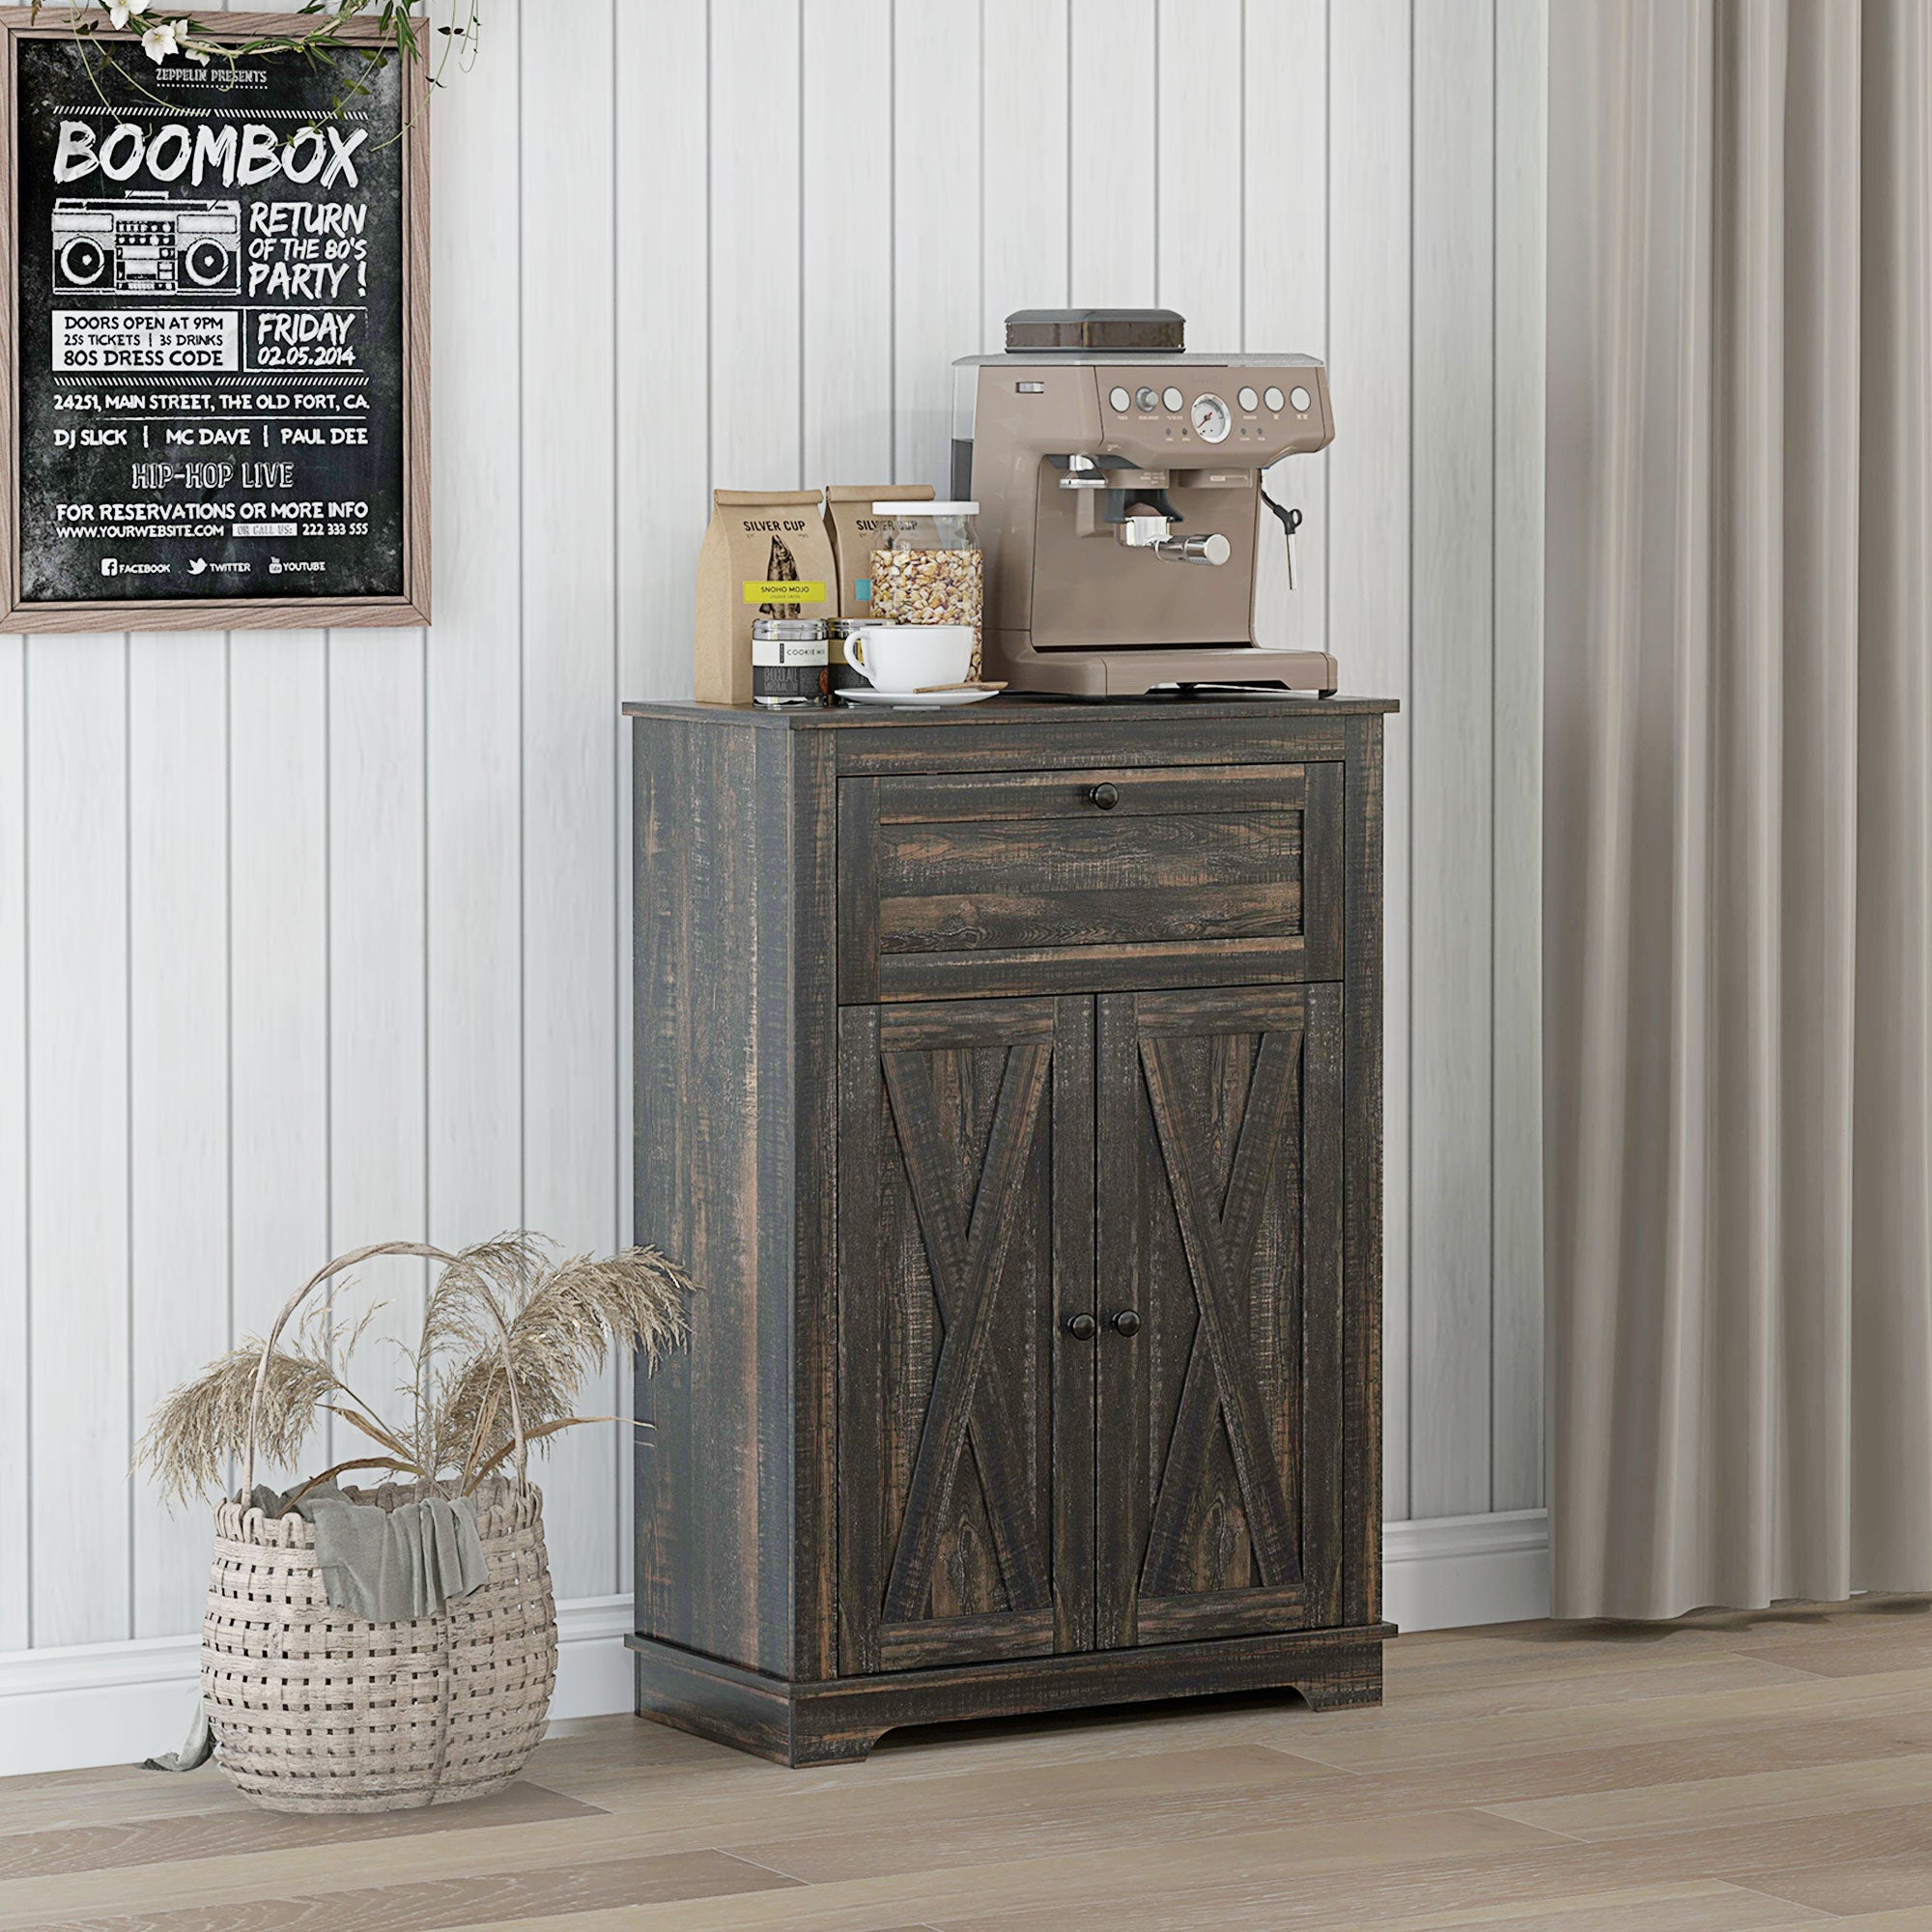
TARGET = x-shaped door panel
x,y
1219,1239
966,1412
965,1263
1218,1216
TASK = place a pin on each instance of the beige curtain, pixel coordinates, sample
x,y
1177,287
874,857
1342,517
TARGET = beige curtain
x,y
1737,845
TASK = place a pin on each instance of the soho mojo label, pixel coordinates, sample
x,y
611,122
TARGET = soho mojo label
x,y
210,265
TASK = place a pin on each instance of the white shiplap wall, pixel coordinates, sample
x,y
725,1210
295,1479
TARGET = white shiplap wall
x,y
308,940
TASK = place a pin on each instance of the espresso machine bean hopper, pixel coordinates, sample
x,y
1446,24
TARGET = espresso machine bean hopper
x,y
1122,505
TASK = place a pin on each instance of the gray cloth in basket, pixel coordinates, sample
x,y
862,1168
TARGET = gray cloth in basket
x,y
388,1565
197,1747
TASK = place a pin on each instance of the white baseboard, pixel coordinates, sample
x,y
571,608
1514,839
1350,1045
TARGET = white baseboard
x,y
1449,1571
116,1703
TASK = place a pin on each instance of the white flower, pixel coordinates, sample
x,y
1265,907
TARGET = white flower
x,y
120,11
194,55
162,38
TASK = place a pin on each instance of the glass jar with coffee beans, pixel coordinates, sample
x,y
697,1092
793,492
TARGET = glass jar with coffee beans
x,y
930,569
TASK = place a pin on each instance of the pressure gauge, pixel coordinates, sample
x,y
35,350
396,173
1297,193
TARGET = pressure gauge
x,y
1210,419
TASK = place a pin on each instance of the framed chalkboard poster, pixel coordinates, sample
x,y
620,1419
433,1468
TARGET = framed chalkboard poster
x,y
215,400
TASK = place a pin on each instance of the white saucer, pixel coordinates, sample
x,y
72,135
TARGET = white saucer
x,y
906,701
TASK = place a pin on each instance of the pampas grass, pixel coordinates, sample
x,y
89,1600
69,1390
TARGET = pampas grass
x,y
555,1321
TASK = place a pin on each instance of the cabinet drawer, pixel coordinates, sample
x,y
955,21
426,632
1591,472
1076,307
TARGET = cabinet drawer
x,y
1066,881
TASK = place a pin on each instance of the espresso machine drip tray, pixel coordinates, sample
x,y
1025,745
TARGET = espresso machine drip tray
x,y
1126,331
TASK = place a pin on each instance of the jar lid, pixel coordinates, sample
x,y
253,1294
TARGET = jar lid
x,y
789,630
925,509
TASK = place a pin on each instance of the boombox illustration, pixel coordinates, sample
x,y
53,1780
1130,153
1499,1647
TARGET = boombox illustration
x,y
147,246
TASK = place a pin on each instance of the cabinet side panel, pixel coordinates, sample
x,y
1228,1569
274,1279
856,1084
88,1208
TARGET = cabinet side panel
x,y
815,1088
714,1176
1362,1185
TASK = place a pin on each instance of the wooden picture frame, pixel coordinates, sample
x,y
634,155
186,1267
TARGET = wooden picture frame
x,y
19,25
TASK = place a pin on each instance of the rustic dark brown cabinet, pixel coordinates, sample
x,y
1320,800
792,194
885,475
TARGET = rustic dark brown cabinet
x,y
1009,1080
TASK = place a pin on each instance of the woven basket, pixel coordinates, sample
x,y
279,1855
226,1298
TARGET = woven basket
x,y
318,1710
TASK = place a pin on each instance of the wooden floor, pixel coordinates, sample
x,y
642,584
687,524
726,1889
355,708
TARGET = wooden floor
x,y
1725,1772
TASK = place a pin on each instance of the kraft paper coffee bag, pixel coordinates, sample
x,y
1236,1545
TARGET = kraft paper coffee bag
x,y
855,535
765,554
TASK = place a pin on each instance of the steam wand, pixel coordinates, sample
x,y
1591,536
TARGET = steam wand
x,y
1290,521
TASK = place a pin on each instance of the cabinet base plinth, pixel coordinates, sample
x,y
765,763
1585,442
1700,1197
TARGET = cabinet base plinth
x,y
821,1722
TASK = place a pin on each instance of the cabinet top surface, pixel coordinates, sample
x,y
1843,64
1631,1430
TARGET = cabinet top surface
x,y
1018,710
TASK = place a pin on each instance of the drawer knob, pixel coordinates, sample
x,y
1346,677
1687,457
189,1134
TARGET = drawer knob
x,y
1082,1327
1126,1322
1105,796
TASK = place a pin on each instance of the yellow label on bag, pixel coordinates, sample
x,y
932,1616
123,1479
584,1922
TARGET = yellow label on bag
x,y
783,591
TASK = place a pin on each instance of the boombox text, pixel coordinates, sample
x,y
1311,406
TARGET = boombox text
x,y
233,152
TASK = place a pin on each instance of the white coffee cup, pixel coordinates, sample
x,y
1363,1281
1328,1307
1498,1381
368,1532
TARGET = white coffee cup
x,y
911,656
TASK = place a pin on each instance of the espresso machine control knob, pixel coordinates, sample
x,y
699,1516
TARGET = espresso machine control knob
x,y
1145,398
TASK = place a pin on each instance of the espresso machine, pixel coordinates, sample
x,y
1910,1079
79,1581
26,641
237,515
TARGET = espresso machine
x,y
1122,506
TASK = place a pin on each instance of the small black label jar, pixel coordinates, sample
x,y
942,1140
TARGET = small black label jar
x,y
789,662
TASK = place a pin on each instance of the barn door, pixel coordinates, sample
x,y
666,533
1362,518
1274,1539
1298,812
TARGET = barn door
x,y
966,1405
1219,1291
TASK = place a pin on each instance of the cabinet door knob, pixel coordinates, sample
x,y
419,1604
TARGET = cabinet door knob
x,y
1126,1322
1105,796
1082,1327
